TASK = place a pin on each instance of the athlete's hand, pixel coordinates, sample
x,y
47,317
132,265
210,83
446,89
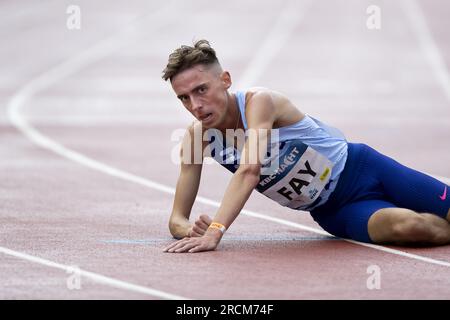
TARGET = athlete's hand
x,y
207,242
200,226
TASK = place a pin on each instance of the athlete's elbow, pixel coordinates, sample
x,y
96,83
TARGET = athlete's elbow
x,y
173,227
178,229
249,173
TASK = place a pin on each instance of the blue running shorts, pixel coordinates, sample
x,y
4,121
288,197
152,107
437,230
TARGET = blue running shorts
x,y
372,181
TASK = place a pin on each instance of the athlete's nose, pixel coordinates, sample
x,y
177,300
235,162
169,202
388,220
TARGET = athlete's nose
x,y
196,104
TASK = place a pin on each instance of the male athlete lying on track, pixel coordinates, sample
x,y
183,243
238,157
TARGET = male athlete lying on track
x,y
350,189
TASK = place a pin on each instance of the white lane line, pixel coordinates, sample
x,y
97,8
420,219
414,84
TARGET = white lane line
x,y
71,66
402,253
125,120
280,33
428,45
94,276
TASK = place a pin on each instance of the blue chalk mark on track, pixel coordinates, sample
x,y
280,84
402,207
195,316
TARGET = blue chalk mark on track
x,y
229,239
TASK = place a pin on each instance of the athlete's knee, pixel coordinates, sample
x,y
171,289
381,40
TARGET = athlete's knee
x,y
412,228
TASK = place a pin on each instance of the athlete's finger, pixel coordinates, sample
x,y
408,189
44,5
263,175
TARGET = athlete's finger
x,y
171,245
198,248
197,234
187,244
202,225
186,247
206,219
199,230
174,244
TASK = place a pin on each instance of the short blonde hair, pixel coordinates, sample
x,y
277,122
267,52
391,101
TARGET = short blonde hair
x,y
186,57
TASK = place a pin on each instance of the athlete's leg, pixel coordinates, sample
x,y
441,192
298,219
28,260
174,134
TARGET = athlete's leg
x,y
410,189
389,189
379,221
424,205
351,220
407,227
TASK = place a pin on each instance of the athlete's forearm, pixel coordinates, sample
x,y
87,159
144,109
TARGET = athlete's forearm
x,y
186,191
236,195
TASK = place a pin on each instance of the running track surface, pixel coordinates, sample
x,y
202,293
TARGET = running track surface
x,y
97,91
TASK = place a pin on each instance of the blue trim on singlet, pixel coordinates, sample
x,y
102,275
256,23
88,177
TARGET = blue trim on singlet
x,y
240,98
326,140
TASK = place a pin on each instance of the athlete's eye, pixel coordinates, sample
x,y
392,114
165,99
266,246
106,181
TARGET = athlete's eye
x,y
202,90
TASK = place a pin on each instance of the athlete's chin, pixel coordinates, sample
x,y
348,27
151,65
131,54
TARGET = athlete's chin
x,y
210,122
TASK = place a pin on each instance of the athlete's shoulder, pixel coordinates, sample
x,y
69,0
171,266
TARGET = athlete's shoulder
x,y
194,131
189,153
257,93
189,136
285,111
259,107
195,125
195,136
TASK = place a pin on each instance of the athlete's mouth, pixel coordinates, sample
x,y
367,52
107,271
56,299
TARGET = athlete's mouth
x,y
206,117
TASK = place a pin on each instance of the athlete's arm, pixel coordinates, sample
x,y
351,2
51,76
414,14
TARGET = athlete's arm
x,y
186,189
260,118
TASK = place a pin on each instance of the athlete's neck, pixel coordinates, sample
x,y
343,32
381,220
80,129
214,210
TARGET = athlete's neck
x,y
232,118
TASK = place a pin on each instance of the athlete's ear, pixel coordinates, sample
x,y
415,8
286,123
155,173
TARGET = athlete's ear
x,y
225,78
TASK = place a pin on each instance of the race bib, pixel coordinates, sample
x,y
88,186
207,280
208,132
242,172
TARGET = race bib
x,y
297,180
301,176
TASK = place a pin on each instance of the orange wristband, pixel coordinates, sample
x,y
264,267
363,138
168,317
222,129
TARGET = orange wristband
x,y
216,225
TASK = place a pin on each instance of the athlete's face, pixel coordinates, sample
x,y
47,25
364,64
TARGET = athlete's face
x,y
203,90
